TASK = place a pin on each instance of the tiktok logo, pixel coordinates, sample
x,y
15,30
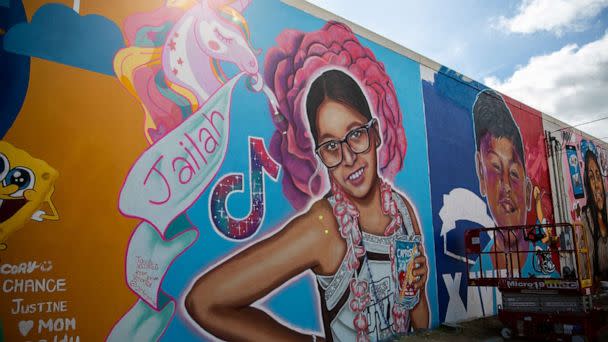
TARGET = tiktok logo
x,y
260,163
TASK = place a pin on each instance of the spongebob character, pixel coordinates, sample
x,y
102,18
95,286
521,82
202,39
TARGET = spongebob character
x,y
27,184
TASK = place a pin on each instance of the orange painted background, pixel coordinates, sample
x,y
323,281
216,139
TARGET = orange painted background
x,y
86,126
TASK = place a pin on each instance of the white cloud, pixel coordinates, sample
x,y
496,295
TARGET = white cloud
x,y
554,16
570,84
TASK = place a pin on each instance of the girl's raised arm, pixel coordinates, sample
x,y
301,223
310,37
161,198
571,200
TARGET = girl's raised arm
x,y
220,300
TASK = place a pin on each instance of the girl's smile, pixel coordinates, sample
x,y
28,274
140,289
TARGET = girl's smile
x,y
357,172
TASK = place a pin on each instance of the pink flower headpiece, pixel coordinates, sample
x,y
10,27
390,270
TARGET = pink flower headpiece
x,y
289,68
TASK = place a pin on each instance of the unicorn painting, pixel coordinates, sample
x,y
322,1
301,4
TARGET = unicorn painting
x,y
172,64
201,38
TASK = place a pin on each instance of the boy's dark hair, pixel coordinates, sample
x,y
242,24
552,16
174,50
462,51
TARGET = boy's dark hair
x,y
338,86
492,116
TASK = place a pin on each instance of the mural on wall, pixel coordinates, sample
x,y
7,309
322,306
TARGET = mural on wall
x,y
173,62
27,186
494,149
584,171
177,48
32,134
602,156
594,212
60,34
14,68
344,243
352,299
276,173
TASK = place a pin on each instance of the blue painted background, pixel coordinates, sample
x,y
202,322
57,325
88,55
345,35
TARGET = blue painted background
x,y
297,303
14,68
448,102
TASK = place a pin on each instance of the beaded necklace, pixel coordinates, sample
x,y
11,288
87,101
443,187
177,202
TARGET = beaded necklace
x,y
347,216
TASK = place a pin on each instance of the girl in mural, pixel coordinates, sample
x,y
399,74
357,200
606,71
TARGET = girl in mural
x,y
594,216
353,240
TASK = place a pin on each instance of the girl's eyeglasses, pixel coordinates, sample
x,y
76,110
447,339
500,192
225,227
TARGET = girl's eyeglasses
x,y
357,139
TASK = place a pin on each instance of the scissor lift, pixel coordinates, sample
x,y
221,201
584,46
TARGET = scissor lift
x,y
561,305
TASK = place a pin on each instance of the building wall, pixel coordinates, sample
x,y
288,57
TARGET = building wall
x,y
150,145
582,184
459,200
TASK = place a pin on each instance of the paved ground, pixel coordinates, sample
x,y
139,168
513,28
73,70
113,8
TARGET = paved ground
x,y
480,330
488,329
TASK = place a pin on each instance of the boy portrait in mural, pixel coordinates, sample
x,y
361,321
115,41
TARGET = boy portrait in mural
x,y
503,182
594,215
340,140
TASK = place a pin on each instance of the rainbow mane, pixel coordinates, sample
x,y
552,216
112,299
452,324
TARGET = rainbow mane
x,y
138,68
235,19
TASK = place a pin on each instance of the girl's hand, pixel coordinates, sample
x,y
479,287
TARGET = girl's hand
x,y
421,270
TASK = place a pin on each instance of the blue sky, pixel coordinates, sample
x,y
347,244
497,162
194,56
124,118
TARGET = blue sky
x,y
550,54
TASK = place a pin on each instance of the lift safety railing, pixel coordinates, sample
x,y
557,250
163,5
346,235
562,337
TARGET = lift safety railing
x,y
506,250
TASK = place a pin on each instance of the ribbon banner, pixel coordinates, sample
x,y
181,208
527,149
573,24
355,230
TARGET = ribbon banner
x,y
164,182
176,170
149,258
